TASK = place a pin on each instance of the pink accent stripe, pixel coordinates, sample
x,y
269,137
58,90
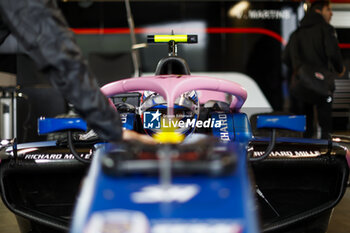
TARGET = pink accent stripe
x,y
347,156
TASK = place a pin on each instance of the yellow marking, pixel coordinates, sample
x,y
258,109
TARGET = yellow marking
x,y
169,137
167,38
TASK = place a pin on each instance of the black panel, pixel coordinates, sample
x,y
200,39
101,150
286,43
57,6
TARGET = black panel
x,y
38,102
8,63
110,67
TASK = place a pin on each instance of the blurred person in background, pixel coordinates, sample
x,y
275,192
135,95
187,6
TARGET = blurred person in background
x,y
315,43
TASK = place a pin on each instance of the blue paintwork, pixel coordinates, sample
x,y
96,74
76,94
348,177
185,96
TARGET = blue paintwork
x,y
225,132
102,193
128,120
243,131
227,198
236,127
236,205
295,123
49,125
294,140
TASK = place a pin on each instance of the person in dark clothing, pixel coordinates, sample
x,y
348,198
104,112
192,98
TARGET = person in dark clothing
x,y
42,30
316,45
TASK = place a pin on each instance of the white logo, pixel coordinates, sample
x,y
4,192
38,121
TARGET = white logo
x,y
159,193
117,220
198,226
156,115
268,14
329,99
152,120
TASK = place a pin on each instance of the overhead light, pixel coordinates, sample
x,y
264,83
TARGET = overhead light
x,y
238,9
306,6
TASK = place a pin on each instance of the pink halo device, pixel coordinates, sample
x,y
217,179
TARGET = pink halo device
x,y
172,86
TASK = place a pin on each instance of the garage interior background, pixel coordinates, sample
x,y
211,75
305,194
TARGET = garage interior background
x,y
234,36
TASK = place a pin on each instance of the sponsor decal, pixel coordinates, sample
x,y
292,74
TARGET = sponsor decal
x,y
129,221
127,120
200,226
151,120
224,135
225,131
159,193
258,14
123,118
57,156
268,14
289,153
117,221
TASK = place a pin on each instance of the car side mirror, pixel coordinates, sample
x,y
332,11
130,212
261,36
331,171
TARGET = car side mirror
x,y
50,125
289,122
273,122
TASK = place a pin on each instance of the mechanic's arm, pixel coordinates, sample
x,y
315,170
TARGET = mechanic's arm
x,y
42,30
132,135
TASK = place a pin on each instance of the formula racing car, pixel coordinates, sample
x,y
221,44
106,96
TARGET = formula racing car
x,y
209,172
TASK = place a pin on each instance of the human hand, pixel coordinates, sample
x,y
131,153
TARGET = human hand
x,y
132,135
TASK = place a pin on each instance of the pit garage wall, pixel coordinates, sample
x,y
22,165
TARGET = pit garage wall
x,y
231,37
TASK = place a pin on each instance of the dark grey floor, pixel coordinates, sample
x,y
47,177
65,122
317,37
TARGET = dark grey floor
x,y
8,222
340,221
